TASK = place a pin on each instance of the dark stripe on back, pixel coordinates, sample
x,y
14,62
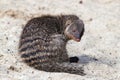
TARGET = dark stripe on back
x,y
28,47
35,63
33,45
23,41
27,55
37,59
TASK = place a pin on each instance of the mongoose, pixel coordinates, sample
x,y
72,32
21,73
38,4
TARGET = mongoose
x,y
43,43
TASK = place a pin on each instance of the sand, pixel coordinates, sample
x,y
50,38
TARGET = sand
x,y
98,50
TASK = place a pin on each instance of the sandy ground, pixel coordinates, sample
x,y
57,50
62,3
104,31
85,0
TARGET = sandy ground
x,y
98,51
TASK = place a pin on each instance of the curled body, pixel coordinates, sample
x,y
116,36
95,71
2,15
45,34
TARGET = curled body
x,y
43,43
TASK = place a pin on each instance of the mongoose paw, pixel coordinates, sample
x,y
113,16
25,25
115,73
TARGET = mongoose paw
x,y
74,59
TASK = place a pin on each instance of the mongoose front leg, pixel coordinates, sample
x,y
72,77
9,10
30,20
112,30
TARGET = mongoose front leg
x,y
59,39
62,62
58,42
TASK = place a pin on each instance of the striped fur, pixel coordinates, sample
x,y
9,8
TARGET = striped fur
x,y
43,44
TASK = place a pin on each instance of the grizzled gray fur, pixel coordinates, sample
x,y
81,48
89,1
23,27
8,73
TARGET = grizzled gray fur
x,y
43,43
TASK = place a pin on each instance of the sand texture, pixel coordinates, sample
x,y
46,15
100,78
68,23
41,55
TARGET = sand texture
x,y
98,51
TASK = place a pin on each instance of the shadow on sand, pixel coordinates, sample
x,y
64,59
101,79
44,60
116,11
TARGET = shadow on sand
x,y
86,59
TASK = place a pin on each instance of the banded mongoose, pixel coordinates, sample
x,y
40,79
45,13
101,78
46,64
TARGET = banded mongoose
x,y
43,43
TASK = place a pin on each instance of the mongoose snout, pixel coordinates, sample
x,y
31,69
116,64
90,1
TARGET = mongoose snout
x,y
75,30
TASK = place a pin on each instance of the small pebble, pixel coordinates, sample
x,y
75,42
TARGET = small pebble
x,y
81,2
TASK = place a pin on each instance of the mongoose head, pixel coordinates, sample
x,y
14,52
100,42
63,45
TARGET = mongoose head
x,y
74,28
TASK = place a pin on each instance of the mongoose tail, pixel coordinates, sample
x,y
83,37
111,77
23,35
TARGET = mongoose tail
x,y
66,67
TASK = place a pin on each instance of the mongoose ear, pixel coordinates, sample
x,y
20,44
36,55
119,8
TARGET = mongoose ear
x,y
75,30
68,22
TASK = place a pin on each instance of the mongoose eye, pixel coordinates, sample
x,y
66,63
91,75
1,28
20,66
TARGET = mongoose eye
x,y
68,22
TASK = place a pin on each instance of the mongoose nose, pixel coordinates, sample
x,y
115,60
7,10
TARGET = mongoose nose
x,y
78,40
77,37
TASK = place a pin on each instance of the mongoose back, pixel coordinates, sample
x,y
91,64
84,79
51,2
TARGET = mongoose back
x,y
43,43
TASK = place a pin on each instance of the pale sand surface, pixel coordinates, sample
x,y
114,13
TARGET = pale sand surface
x,y
99,49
